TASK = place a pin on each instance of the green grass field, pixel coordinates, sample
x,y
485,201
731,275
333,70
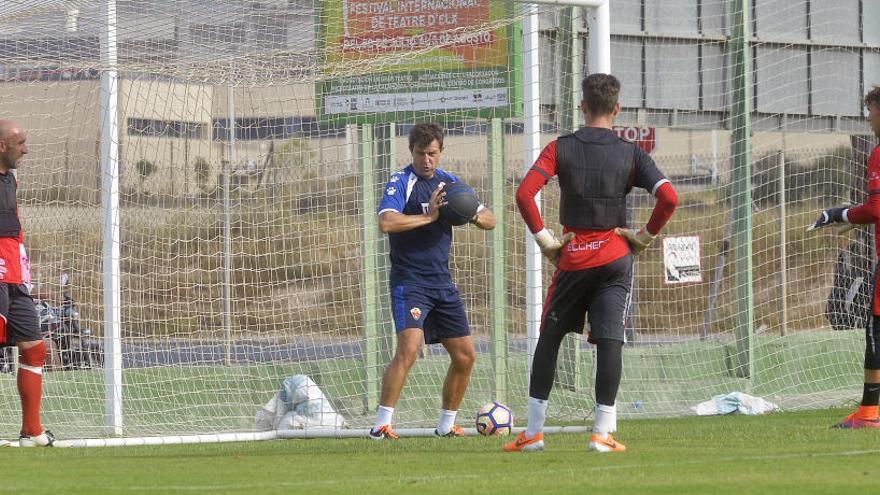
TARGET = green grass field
x,y
780,453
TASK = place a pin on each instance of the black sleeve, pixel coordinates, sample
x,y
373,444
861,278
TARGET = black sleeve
x,y
647,176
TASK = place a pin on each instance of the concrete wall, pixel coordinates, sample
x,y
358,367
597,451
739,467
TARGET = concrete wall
x,y
60,120
174,158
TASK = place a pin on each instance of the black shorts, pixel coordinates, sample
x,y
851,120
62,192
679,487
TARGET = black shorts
x,y
19,315
600,295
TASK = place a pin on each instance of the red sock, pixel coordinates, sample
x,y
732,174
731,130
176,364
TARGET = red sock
x,y
30,387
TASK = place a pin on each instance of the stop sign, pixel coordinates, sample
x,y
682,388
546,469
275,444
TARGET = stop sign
x,y
642,136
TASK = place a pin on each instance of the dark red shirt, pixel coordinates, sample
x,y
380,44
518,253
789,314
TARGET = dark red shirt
x,y
869,211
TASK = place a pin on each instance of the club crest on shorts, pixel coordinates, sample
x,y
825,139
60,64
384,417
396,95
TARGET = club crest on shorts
x,y
416,313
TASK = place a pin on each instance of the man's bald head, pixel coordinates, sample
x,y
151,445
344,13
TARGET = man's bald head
x,y
8,127
12,144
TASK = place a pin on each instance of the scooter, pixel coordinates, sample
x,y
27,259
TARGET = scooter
x,y
75,345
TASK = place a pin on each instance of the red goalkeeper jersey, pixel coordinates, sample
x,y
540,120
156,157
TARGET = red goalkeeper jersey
x,y
591,248
14,267
869,211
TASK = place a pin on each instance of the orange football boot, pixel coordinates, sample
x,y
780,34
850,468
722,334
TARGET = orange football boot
x,y
524,444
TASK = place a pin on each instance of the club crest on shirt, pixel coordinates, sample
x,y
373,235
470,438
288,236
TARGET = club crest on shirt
x,y
391,190
416,313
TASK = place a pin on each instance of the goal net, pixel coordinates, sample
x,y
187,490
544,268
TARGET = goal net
x,y
255,140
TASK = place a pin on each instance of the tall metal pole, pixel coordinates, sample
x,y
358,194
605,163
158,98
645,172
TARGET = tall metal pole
x,y
783,240
742,190
350,139
369,236
599,22
110,209
384,163
498,306
568,48
227,228
532,148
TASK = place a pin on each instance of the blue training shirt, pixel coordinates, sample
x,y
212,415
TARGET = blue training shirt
x,y
419,256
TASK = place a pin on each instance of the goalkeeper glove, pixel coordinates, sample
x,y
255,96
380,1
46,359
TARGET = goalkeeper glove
x,y
550,245
638,241
827,217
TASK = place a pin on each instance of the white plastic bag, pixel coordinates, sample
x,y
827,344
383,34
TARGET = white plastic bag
x,y
737,402
299,403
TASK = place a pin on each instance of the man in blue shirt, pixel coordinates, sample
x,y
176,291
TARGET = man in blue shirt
x,y
425,302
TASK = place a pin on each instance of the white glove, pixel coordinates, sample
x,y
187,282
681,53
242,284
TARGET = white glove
x,y
638,241
550,245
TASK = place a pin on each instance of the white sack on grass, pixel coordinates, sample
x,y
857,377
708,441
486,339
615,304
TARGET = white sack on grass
x,y
735,402
299,404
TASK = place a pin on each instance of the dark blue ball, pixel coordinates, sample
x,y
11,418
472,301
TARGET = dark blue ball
x,y
461,204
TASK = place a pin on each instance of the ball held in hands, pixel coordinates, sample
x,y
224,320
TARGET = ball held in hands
x,y
461,204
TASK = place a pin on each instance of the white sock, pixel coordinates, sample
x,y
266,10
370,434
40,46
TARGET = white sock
x,y
606,420
447,419
383,416
537,414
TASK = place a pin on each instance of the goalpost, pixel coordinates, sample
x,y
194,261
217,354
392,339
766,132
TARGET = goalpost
x,y
599,26
207,171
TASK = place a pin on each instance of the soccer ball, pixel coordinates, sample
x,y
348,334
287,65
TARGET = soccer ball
x,y
461,204
494,419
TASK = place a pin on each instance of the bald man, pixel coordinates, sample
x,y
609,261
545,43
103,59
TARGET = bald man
x,y
19,324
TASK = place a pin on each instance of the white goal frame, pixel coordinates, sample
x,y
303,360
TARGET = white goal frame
x,y
599,56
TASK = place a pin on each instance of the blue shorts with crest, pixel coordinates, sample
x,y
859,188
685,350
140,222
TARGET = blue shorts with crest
x,y
438,312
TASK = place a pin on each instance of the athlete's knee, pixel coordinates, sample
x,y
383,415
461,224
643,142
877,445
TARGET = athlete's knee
x,y
549,343
33,355
610,347
464,358
405,357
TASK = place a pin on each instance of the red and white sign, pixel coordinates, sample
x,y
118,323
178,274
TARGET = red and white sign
x,y
642,136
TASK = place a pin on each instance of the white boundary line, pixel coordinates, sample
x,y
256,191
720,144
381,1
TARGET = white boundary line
x,y
272,435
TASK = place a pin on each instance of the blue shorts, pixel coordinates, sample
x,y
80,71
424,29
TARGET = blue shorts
x,y
438,312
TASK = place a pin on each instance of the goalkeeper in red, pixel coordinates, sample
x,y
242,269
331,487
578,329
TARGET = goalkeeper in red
x,y
867,213
19,324
594,259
